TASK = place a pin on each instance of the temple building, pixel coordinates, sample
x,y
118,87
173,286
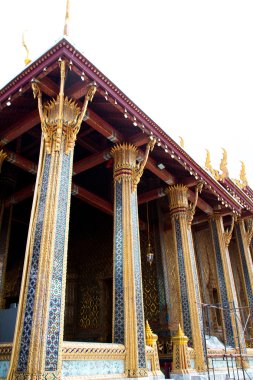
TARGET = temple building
x,y
120,256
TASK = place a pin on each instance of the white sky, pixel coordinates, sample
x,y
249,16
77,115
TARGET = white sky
x,y
187,64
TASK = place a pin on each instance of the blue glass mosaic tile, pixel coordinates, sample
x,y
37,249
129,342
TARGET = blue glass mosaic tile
x,y
118,268
138,283
245,267
183,284
222,287
29,301
55,305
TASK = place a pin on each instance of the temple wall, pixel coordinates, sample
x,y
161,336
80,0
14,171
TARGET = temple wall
x,y
88,312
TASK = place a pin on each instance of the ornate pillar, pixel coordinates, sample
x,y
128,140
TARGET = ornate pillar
x,y
128,316
181,217
243,238
226,289
39,327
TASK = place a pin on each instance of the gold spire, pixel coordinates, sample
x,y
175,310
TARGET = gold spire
x,y
27,59
67,16
181,142
223,165
151,338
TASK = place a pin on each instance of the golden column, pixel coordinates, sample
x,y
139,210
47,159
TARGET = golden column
x,y
181,218
128,323
244,238
226,289
37,352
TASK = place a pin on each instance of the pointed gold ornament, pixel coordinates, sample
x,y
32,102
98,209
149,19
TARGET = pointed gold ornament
x,y
243,178
181,142
223,165
67,17
27,59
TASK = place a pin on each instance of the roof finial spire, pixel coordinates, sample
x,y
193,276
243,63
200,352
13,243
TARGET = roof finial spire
x,y
66,25
27,59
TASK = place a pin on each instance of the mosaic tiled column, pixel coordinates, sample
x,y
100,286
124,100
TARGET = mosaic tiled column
x,y
243,238
189,287
39,327
128,316
5,229
226,289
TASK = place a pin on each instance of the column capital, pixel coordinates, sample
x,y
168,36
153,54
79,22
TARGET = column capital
x,y
178,201
125,156
61,118
178,198
125,162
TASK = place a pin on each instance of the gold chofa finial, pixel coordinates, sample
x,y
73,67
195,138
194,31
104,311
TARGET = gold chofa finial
x,y
243,177
27,59
208,164
181,142
209,168
67,16
223,165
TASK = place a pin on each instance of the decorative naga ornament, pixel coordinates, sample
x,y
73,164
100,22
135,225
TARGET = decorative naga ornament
x,y
67,17
27,59
228,232
3,156
138,171
223,165
192,206
181,360
181,142
61,117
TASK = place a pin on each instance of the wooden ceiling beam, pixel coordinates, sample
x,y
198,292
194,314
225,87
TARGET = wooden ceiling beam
x,y
163,174
49,87
189,181
19,196
201,204
20,127
139,139
92,199
151,195
84,144
20,161
91,161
